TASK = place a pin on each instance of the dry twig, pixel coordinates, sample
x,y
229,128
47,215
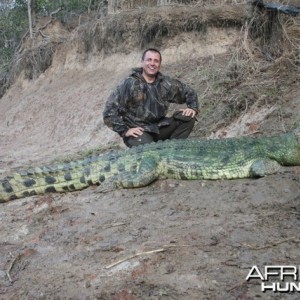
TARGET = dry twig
x,y
105,226
11,266
135,255
165,247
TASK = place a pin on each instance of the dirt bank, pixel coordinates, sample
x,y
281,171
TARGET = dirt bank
x,y
173,239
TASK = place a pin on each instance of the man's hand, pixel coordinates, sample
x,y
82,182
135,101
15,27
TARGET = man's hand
x,y
135,132
189,112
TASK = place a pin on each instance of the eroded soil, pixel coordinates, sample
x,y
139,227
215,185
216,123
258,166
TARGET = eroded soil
x,y
170,240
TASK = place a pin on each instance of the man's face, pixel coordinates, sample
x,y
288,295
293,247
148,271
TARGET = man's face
x,y
151,64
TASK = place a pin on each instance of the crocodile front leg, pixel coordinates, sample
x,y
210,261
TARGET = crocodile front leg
x,y
263,167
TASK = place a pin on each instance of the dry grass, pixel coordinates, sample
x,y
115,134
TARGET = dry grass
x,y
256,74
267,46
138,29
275,36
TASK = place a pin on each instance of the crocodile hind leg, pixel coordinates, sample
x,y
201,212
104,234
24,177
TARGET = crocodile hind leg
x,y
262,167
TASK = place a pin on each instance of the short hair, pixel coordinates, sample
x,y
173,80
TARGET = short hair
x,y
152,50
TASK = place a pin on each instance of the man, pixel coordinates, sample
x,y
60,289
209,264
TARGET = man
x,y
137,108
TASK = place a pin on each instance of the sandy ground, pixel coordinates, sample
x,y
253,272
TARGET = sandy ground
x,y
170,240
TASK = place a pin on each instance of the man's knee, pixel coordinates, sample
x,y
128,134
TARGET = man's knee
x,y
186,125
183,129
191,122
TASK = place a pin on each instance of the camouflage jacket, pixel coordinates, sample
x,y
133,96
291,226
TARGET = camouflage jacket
x,y
136,103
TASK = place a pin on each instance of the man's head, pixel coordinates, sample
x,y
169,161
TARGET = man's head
x,y
151,60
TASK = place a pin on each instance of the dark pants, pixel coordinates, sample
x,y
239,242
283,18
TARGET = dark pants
x,y
176,130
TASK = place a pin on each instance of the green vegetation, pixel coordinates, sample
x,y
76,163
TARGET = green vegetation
x,y
14,25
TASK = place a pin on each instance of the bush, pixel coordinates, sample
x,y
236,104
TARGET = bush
x,y
15,26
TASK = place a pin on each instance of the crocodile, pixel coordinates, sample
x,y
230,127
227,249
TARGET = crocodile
x,y
228,158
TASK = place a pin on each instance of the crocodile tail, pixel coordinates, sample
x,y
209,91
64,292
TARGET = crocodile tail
x,y
65,177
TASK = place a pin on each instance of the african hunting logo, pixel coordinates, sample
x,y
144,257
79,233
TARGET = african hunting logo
x,y
278,279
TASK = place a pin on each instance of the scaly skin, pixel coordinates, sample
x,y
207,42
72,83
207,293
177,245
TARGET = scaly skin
x,y
178,159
